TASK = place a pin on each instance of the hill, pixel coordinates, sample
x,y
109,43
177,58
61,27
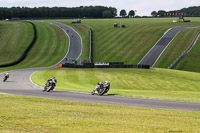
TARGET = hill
x,y
130,44
175,49
15,38
50,47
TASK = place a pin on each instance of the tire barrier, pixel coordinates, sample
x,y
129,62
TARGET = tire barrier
x,y
104,65
23,56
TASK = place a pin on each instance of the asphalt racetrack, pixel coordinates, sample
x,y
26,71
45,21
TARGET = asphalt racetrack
x,y
155,52
19,83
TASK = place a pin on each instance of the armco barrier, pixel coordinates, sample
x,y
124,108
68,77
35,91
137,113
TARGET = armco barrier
x,y
91,46
26,51
111,65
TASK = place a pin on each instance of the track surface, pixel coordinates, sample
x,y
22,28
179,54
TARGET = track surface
x,y
75,43
19,83
153,55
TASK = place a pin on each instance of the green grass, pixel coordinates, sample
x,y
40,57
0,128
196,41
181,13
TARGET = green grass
x,y
128,44
28,114
191,61
176,48
21,114
15,38
154,83
50,47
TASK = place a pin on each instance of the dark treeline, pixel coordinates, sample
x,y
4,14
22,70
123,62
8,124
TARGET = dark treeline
x,y
54,12
187,12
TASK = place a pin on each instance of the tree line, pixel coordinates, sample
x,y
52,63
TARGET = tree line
x,y
123,13
58,12
187,12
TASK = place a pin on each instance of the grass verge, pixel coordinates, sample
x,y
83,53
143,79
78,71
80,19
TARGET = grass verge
x,y
191,61
22,114
153,83
176,48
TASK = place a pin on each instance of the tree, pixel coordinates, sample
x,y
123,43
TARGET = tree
x,y
154,14
123,13
107,14
113,10
161,13
52,12
131,13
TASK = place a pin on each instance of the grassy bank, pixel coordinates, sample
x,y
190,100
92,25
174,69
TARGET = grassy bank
x,y
21,114
128,44
176,48
153,83
191,61
50,47
15,38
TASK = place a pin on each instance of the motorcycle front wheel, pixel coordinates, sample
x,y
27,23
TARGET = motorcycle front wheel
x,y
4,79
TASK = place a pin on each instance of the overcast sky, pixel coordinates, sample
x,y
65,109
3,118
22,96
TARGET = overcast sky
x,y
143,7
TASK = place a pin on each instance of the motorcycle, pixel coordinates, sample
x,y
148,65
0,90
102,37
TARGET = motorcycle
x,y
50,85
5,78
101,89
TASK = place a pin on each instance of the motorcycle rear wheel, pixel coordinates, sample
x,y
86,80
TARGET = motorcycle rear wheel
x,y
4,79
101,91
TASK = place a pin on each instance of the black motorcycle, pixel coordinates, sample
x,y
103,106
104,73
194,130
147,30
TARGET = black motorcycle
x,y
50,85
100,89
5,78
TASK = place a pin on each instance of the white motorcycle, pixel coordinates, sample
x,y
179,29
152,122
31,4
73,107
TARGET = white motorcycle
x,y
101,88
50,85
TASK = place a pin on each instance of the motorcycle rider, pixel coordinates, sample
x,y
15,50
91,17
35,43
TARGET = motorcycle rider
x,y
6,76
48,81
105,84
53,79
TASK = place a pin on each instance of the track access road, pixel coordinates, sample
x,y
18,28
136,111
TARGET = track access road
x,y
19,83
156,51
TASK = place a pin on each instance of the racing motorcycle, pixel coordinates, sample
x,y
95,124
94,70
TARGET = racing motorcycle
x,y
5,78
101,88
50,85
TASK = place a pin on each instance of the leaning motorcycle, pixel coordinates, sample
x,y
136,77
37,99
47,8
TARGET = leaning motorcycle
x,y
5,78
100,90
50,85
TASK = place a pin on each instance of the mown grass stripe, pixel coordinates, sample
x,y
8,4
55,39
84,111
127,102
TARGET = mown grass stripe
x,y
176,48
17,38
153,83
